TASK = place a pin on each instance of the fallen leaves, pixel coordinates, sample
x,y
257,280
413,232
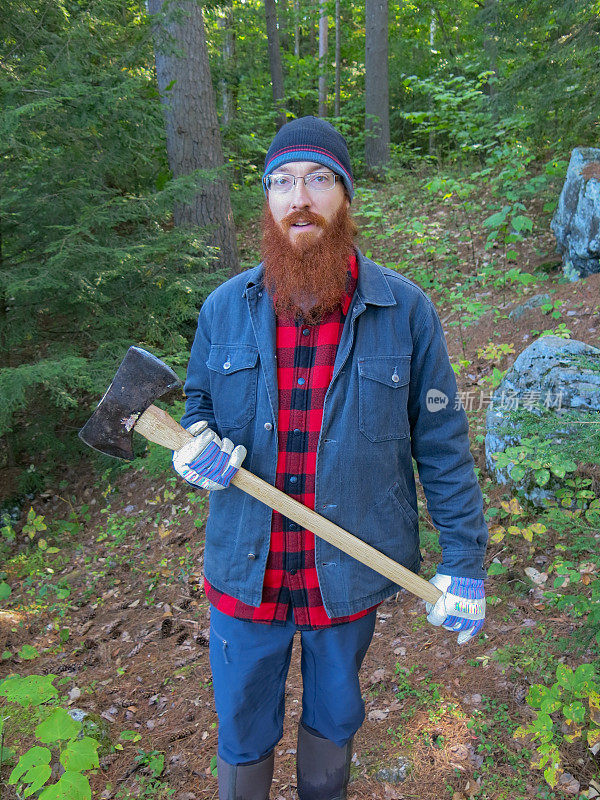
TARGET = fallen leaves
x,y
569,784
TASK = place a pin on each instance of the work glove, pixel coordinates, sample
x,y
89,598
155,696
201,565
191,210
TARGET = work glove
x,y
206,461
461,606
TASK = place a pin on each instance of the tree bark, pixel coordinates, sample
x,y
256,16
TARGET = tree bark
x,y
432,32
323,26
297,28
226,82
490,47
192,128
377,119
338,49
275,60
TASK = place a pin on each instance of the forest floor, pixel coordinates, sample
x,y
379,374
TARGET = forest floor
x,y
119,616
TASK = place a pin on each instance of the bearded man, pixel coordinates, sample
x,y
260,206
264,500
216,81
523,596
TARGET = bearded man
x,y
331,374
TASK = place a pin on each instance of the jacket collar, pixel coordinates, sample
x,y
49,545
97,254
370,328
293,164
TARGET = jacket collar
x,y
373,287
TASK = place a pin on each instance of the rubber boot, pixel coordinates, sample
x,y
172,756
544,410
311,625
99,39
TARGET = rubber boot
x,y
245,781
323,768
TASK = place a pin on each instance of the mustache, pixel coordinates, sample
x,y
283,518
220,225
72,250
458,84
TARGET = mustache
x,y
303,216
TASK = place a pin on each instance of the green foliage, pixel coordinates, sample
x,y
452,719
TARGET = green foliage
x,y
458,111
573,700
77,753
91,261
583,605
513,516
28,653
534,454
31,690
550,448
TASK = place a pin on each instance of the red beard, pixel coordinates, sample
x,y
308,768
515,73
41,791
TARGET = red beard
x,y
307,279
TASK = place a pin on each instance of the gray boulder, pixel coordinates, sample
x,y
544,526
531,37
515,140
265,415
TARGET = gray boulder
x,y
576,222
536,301
546,407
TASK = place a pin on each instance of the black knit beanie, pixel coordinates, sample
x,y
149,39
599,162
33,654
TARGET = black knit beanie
x,y
311,139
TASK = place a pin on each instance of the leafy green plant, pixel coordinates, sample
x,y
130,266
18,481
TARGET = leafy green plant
x,y
553,308
537,456
512,513
28,653
457,112
7,531
582,605
77,754
577,494
573,700
561,331
531,654
488,726
495,352
33,525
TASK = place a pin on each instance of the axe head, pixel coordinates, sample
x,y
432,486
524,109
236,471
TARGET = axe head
x,y
139,381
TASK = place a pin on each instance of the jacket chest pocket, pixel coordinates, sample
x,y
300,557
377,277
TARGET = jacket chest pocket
x,y
233,381
383,384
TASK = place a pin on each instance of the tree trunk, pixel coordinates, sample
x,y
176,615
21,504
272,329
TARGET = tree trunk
x,y
226,82
323,25
338,48
297,28
377,119
275,60
490,47
193,136
432,31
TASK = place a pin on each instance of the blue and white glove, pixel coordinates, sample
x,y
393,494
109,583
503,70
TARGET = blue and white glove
x,y
206,461
461,606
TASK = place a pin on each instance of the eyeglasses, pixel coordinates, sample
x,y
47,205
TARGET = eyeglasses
x,y
281,183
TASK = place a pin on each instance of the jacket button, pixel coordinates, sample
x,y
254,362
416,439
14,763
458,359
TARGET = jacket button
x,y
395,377
227,365
251,556
268,426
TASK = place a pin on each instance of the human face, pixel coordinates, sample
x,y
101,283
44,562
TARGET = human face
x,y
326,204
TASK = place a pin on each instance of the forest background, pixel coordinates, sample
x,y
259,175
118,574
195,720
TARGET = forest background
x,y
112,233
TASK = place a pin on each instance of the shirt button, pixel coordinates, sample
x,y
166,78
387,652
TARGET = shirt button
x,y
297,430
293,571
306,332
301,381
268,426
251,556
293,479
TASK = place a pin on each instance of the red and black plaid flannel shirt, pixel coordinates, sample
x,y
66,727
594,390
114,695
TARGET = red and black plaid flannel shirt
x,y
305,359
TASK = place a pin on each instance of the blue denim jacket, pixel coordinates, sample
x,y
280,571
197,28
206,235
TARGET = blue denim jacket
x,y
391,400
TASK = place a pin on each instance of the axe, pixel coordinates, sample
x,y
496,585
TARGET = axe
x,y
127,406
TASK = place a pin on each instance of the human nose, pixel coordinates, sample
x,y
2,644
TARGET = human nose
x,y
300,196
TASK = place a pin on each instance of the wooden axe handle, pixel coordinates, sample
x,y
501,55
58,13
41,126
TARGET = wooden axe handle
x,y
157,426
